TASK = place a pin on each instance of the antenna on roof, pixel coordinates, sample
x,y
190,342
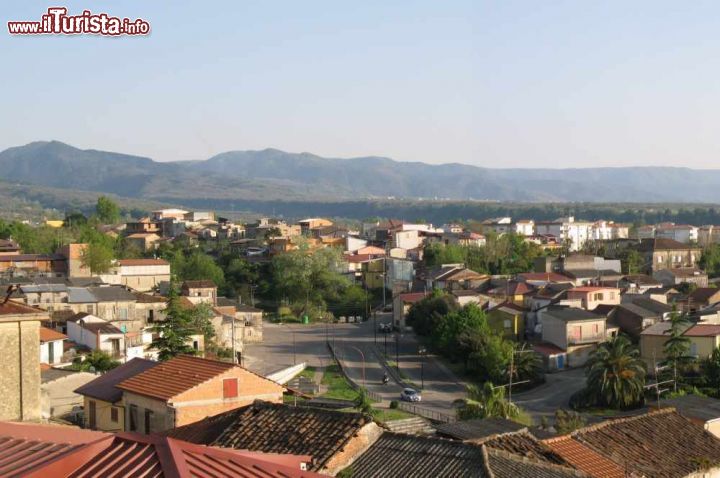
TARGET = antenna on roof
x,y
8,293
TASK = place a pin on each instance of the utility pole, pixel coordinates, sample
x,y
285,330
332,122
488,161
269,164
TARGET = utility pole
x,y
397,352
375,327
234,351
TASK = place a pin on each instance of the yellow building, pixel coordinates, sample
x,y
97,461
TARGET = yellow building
x,y
103,401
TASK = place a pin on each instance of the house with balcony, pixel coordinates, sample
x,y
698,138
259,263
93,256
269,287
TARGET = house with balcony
x,y
574,330
662,253
590,297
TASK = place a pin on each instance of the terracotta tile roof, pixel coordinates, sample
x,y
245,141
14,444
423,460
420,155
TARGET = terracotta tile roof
x,y
395,455
703,330
175,376
507,465
13,308
584,458
143,262
661,244
48,335
105,386
412,297
660,444
522,443
703,294
42,451
149,299
546,348
277,428
199,284
478,428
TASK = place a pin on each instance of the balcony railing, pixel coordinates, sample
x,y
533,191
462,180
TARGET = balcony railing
x,y
586,339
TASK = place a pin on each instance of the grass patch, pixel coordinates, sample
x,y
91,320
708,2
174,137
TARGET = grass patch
x,y
337,386
389,414
308,373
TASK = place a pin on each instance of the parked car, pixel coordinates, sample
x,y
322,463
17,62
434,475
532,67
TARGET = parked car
x,y
255,251
385,328
410,395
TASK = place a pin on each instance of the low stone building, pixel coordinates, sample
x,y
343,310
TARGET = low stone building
x,y
20,358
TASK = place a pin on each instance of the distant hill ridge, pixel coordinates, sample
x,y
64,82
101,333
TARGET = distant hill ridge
x,y
274,174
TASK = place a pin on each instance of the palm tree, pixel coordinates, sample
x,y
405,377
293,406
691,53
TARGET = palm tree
x,y
526,364
486,402
616,374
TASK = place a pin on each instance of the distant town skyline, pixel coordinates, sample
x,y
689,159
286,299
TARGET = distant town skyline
x,y
492,84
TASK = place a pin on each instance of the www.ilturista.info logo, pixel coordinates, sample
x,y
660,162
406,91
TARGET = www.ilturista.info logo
x,y
58,22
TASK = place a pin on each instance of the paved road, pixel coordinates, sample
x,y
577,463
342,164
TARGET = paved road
x,y
359,348
552,395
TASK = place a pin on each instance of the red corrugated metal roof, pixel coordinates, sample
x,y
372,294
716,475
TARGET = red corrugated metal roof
x,y
174,377
41,451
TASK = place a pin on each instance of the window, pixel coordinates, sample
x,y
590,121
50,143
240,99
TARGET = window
x,y
576,332
148,420
660,259
89,308
122,313
133,418
507,324
51,352
230,388
114,414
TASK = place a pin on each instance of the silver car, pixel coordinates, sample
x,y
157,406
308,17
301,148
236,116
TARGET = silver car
x,y
410,395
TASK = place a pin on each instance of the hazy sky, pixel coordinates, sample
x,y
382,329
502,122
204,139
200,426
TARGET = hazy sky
x,y
499,84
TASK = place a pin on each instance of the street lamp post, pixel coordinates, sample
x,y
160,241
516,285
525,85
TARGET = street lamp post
x,y
294,355
385,335
422,351
375,326
397,352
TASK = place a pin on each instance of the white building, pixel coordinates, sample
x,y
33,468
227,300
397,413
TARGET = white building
x,y
51,346
96,334
525,227
680,233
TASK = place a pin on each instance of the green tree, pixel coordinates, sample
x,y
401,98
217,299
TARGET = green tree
x,y
107,210
711,370
710,260
97,361
97,257
180,324
568,421
616,374
677,346
632,262
527,364
486,402
197,266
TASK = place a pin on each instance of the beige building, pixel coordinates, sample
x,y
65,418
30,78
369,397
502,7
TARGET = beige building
x,y
103,401
662,254
576,331
187,389
591,297
143,275
20,358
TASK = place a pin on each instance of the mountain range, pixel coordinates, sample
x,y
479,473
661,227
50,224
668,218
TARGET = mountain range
x,y
272,174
